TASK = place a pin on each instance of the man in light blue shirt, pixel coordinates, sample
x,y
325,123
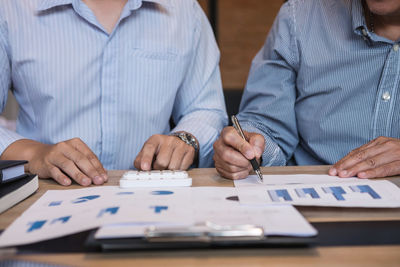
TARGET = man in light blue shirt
x,y
96,81
326,83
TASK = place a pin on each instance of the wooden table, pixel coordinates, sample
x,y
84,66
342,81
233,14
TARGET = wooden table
x,y
327,256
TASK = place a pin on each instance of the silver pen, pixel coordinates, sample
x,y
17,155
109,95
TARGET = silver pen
x,y
253,161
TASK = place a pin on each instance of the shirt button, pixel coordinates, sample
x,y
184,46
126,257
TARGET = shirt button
x,y
364,32
386,96
396,47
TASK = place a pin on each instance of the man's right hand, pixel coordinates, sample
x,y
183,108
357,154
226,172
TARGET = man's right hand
x,y
71,159
232,153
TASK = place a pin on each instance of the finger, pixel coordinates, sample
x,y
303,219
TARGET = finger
x,y
163,158
230,168
68,166
178,156
386,170
358,155
188,159
94,160
57,175
367,164
138,160
258,143
229,155
231,138
233,176
84,164
148,152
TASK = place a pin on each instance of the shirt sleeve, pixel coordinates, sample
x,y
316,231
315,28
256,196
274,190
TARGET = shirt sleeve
x,y
268,103
199,106
6,136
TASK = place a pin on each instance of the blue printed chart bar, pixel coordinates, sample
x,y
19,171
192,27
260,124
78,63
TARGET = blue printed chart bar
x,y
277,195
365,189
365,193
303,192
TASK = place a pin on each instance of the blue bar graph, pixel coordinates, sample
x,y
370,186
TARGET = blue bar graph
x,y
302,192
275,195
336,191
85,199
61,219
55,203
159,209
36,225
112,210
365,189
162,192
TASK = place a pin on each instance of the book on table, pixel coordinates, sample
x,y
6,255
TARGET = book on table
x,y
15,184
17,190
11,170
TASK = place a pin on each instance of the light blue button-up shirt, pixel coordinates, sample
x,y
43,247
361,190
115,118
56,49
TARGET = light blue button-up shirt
x,y
73,79
322,85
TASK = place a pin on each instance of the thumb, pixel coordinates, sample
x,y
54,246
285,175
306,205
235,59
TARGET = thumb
x,y
257,141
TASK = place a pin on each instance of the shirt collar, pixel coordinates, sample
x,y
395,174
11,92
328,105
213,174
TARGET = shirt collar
x,y
357,13
48,4
132,4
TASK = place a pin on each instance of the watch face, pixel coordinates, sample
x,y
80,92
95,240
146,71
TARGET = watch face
x,y
188,139
185,138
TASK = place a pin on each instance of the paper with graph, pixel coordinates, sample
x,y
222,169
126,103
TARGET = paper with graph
x,y
362,193
63,212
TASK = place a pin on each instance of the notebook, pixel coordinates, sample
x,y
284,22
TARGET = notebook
x,y
11,170
13,192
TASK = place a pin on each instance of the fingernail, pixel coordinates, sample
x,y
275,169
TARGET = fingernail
x,y
362,175
105,177
249,154
333,172
66,182
98,180
86,181
144,166
343,173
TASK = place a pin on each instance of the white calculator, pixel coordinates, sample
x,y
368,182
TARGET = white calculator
x,y
155,179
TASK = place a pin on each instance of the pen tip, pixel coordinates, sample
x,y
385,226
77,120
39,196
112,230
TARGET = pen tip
x,y
259,174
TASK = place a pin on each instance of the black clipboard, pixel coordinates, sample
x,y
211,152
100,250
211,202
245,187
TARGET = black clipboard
x,y
198,237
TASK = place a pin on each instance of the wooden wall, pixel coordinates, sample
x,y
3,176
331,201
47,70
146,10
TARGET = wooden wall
x,y
242,28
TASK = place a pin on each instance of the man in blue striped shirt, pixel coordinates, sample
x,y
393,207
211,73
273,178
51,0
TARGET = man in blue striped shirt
x,y
326,83
95,80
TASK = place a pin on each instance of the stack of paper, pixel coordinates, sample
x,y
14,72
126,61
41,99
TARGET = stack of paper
x,y
129,212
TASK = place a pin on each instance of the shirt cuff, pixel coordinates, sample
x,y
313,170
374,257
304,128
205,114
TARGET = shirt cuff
x,y
272,155
7,137
205,133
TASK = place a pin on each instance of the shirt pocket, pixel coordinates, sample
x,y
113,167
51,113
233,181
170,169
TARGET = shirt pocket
x,y
150,76
154,55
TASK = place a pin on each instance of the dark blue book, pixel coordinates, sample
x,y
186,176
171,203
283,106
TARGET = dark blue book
x,y
15,191
11,170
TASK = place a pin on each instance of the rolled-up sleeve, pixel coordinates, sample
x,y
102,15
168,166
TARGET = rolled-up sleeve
x,y
199,105
268,103
6,136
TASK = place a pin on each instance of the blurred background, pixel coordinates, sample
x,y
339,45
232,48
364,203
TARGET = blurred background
x,y
241,27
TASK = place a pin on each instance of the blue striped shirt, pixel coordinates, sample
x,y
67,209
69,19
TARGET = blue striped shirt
x,y
322,85
73,79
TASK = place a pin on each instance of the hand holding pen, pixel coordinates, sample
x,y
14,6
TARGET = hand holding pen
x,y
233,153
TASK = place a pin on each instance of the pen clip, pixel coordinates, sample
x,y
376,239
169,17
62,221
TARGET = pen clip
x,y
237,126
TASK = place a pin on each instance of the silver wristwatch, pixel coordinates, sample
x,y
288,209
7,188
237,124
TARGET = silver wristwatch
x,y
188,139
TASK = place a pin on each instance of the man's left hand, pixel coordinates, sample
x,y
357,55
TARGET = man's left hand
x,y
161,152
378,158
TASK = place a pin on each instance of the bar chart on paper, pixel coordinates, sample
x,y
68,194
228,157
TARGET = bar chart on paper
x,y
352,194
